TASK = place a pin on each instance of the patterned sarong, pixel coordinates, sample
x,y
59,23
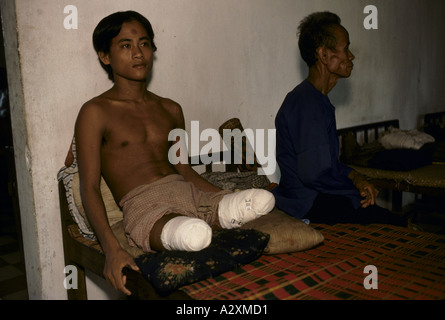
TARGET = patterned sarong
x,y
146,204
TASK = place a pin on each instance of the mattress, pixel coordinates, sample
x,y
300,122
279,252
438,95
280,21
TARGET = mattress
x,y
375,262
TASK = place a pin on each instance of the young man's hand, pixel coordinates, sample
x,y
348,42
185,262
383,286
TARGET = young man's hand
x,y
114,263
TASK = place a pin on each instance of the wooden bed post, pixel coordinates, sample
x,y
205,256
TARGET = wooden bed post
x,y
80,293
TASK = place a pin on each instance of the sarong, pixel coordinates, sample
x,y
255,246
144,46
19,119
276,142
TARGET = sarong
x,y
146,204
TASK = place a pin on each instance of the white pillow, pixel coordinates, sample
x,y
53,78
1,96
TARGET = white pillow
x,y
404,139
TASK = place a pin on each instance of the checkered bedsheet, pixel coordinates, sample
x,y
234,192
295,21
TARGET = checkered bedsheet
x,y
408,265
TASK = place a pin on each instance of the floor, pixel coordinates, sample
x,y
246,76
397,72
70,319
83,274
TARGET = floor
x,y
12,269
428,213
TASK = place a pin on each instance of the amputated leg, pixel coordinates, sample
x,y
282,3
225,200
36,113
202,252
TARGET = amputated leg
x,y
238,208
176,232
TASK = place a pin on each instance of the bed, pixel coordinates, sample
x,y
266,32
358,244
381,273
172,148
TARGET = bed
x,y
419,169
288,260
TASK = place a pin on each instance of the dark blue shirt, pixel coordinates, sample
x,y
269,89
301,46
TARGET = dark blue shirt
x,y
307,152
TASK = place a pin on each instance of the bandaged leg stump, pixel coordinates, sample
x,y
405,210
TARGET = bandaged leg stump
x,y
186,234
238,208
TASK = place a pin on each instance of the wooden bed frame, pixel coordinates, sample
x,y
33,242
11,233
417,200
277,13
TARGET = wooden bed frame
x,y
369,132
396,182
324,272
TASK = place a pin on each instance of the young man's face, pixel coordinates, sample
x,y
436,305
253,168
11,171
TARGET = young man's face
x,y
340,60
131,54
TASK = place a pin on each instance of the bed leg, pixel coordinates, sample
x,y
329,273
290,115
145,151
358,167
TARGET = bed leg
x,y
397,201
81,292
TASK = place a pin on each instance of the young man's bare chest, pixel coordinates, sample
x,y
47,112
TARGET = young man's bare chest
x,y
135,145
131,124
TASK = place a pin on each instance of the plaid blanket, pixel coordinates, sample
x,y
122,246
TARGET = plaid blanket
x,y
408,265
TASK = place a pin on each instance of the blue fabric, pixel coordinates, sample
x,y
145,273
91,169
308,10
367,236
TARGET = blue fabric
x,y
307,152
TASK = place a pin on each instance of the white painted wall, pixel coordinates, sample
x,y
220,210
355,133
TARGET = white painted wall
x,y
218,59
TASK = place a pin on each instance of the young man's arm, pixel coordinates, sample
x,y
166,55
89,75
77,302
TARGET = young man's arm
x,y
88,132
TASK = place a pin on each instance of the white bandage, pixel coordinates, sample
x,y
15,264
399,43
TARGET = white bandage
x,y
238,208
186,234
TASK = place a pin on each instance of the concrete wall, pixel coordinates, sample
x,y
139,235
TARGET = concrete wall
x,y
218,59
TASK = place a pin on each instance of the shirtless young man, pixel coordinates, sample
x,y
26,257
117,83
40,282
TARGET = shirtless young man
x,y
123,135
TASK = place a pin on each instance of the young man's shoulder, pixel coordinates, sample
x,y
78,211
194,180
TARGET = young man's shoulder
x,y
96,102
168,104
104,101
165,101
92,110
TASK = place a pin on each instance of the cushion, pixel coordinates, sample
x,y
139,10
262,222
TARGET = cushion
x,y
169,270
114,213
375,155
287,234
400,159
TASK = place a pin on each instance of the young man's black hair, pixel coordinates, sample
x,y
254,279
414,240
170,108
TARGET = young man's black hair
x,y
110,26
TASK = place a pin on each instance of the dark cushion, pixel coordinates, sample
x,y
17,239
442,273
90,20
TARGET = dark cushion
x,y
169,270
399,159
374,155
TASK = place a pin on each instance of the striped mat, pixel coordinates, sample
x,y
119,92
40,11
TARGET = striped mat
x,y
404,265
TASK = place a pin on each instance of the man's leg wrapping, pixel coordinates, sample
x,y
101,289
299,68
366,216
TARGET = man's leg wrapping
x,y
238,208
186,234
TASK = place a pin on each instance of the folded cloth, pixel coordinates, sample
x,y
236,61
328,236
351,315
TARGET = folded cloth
x,y
407,139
